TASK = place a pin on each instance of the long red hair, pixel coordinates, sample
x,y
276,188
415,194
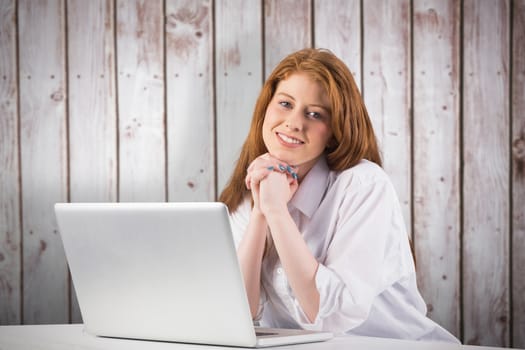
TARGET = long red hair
x,y
353,135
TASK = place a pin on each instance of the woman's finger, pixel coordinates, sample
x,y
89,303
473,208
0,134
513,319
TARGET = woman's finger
x,y
263,165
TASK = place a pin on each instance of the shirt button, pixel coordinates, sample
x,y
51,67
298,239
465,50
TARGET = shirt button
x,y
280,270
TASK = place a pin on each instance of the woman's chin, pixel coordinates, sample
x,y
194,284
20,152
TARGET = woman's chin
x,y
284,158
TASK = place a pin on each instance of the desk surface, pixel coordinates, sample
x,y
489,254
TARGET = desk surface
x,y
62,337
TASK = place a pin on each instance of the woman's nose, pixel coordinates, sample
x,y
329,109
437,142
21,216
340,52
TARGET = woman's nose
x,y
294,121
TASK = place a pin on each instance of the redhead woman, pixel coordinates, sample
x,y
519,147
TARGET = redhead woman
x,y
317,224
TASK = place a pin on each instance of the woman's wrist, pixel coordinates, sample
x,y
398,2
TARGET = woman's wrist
x,y
275,214
257,215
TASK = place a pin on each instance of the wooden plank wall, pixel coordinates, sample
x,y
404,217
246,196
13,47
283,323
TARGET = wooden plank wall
x,y
486,169
141,100
517,185
42,86
436,156
92,106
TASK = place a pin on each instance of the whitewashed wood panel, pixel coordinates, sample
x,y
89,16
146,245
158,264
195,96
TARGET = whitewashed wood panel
x,y
238,75
10,235
140,62
190,112
486,172
43,135
436,176
92,106
221,73
287,28
337,27
386,88
518,174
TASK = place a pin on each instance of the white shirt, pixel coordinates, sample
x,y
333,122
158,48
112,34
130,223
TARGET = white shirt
x,y
352,223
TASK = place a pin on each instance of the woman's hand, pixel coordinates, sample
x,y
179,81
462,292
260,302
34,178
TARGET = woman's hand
x,y
275,191
280,187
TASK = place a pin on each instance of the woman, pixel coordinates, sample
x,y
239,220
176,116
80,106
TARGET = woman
x,y
317,224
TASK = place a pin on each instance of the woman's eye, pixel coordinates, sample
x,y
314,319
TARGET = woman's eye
x,y
285,104
314,115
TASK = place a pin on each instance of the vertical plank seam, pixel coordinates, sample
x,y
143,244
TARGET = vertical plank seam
x,y
362,47
457,61
312,23
165,101
67,150
411,125
263,40
461,171
511,172
213,77
117,116
19,155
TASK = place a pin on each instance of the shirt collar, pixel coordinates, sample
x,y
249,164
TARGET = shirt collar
x,y
312,188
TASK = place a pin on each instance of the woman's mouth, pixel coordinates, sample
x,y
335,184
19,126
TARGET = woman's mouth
x,y
289,140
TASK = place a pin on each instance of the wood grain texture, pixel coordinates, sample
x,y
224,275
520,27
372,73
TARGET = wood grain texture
x,y
518,173
10,231
92,106
486,173
128,106
43,136
338,28
436,181
190,113
140,61
238,78
287,28
386,89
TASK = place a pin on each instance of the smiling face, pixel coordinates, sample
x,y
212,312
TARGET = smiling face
x,y
296,126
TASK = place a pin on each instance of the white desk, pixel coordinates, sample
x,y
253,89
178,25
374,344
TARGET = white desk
x,y
62,337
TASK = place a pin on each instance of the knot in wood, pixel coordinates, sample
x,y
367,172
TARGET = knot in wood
x,y
518,149
57,96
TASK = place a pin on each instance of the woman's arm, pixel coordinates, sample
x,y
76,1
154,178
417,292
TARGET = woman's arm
x,y
297,260
250,253
251,248
271,190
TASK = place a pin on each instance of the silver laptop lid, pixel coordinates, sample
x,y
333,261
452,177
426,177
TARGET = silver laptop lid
x,y
162,271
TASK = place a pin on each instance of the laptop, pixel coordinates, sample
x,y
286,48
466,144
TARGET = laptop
x,y
164,272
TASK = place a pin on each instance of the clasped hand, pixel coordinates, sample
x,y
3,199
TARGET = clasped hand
x,y
272,183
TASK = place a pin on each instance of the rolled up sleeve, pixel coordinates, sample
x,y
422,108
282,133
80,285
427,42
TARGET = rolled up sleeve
x,y
362,258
